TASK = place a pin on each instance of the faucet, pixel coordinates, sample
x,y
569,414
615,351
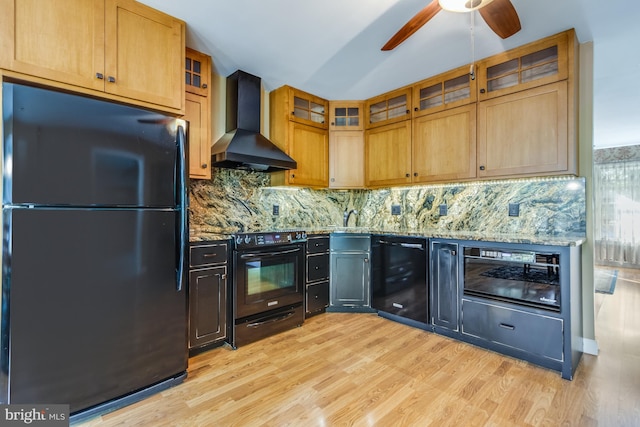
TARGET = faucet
x,y
347,215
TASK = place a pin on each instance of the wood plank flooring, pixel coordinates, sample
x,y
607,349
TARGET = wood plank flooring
x,y
361,370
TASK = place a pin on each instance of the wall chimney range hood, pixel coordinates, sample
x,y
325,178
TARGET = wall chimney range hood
x,y
243,146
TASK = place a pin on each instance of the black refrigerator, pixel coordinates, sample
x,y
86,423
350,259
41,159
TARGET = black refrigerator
x,y
94,212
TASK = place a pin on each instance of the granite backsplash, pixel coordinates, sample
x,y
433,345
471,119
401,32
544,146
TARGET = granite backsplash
x,y
233,201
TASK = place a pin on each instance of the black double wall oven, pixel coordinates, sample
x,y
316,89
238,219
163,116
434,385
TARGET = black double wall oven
x,y
268,284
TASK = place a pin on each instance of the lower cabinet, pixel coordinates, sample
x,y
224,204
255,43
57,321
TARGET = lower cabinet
x,y
534,333
444,285
349,272
208,276
317,275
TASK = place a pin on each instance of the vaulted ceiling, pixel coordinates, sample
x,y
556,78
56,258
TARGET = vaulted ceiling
x,y
331,48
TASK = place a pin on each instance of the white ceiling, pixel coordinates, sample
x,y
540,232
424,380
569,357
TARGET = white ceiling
x,y
331,48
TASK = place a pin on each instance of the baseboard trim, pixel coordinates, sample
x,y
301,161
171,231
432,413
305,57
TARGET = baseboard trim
x,y
590,346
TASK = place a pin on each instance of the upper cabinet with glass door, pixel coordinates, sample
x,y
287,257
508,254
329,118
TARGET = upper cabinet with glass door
x,y
307,109
390,107
534,64
346,115
448,90
197,72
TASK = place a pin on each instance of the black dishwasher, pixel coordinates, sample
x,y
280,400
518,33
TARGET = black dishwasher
x,y
399,278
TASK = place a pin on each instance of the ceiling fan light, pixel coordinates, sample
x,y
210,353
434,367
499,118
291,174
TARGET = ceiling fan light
x,y
463,5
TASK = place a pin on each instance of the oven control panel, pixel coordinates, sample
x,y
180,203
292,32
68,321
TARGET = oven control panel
x,y
269,239
526,257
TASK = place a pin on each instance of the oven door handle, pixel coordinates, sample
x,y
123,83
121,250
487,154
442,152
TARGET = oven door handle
x,y
272,319
268,254
404,245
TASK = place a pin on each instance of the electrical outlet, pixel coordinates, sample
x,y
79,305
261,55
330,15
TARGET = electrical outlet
x,y
514,209
443,210
396,210
276,210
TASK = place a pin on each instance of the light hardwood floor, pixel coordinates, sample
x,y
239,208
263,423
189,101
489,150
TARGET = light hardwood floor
x,y
361,370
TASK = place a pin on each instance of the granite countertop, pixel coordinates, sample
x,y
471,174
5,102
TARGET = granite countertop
x,y
561,240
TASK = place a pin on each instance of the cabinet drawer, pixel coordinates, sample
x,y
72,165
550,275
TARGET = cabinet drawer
x,y
317,267
317,296
207,254
317,244
533,333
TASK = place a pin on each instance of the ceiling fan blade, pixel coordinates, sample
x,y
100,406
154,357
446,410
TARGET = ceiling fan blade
x,y
501,17
413,25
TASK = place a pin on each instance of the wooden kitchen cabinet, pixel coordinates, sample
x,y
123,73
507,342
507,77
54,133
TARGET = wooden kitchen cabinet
x,y
118,49
387,154
307,144
448,90
346,144
198,112
535,64
526,134
197,71
301,107
444,145
390,107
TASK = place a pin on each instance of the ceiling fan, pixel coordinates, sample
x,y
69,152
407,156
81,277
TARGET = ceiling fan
x,y
500,16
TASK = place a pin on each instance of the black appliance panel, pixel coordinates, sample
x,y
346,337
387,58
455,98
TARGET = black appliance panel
x,y
522,277
268,277
64,149
399,277
82,282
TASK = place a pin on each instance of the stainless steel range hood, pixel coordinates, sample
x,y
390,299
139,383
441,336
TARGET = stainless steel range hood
x,y
243,146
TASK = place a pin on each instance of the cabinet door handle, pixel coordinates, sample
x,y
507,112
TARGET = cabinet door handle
x,y
204,85
454,253
482,91
481,168
416,109
415,174
407,175
366,260
507,326
408,111
111,79
204,166
100,76
293,175
210,255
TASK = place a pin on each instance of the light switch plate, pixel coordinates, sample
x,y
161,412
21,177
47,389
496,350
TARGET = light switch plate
x,y
276,210
442,210
396,210
514,209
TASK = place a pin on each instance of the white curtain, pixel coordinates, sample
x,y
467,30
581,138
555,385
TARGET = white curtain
x,y
617,213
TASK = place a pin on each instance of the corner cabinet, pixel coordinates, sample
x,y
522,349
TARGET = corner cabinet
x,y
117,49
208,264
198,112
299,127
346,144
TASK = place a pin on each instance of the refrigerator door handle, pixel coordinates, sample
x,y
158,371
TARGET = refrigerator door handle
x,y
183,208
